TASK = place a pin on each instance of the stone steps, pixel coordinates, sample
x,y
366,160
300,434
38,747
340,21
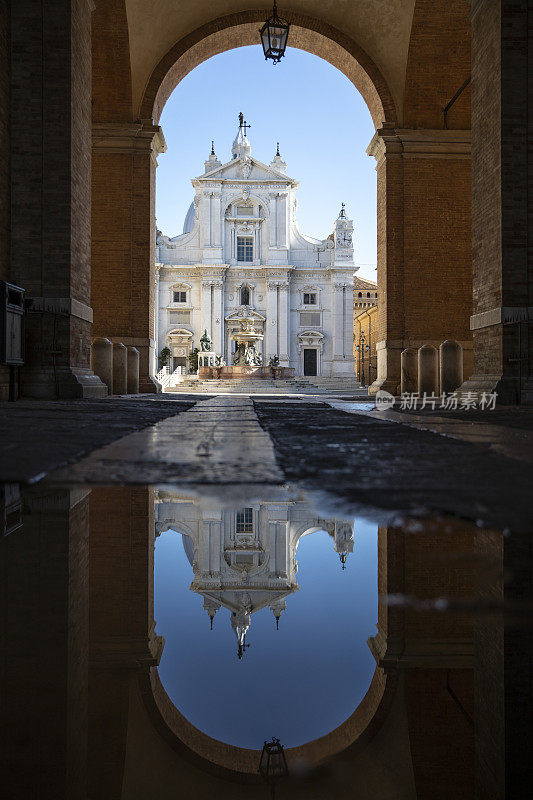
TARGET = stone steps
x,y
289,386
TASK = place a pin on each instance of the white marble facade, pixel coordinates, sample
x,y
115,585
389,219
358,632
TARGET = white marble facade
x,y
241,252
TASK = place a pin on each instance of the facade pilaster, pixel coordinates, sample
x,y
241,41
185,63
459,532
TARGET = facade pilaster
x,y
282,219
218,316
209,548
273,239
272,323
207,308
283,323
342,310
278,532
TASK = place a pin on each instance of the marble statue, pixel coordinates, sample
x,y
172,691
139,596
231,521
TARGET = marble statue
x,y
205,343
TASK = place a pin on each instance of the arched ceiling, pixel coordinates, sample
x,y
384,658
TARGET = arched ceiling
x,y
381,27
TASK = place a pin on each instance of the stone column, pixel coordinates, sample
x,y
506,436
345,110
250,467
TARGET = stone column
x,y
428,370
409,371
424,248
502,204
120,368
450,366
50,163
102,361
123,237
133,371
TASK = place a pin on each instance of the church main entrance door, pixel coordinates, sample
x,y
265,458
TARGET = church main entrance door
x,y
310,361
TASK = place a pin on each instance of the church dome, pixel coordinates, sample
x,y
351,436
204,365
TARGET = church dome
x,y
189,219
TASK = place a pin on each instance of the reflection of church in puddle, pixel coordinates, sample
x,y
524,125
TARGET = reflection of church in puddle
x,y
244,559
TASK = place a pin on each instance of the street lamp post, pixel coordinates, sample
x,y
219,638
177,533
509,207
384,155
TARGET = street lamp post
x,y
273,764
362,348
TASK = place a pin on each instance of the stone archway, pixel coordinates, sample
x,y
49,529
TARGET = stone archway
x,y
423,175
125,158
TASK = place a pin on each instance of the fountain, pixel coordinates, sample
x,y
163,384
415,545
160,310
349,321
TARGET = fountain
x,y
247,360
247,340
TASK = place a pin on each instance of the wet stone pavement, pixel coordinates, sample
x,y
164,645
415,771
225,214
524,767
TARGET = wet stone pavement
x,y
374,466
184,579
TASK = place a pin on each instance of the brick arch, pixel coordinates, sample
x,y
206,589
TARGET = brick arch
x,y
240,30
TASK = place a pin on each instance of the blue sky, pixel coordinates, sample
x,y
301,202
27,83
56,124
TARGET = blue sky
x,y
297,683
312,109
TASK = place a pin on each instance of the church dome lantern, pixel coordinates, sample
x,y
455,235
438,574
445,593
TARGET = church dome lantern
x,y
241,145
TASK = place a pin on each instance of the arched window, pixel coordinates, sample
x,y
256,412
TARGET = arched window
x,y
376,294
360,294
245,296
368,294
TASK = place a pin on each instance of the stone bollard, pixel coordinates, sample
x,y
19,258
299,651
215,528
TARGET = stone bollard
x,y
120,368
409,371
428,370
451,366
102,361
133,370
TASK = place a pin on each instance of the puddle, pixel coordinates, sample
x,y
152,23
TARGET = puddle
x,y
357,644
278,583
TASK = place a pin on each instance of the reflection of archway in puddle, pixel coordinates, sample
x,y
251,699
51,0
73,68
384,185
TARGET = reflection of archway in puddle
x,y
183,736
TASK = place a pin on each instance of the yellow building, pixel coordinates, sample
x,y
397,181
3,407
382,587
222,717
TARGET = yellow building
x,y
365,299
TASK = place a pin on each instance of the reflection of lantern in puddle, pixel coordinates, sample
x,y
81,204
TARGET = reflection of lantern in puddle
x,y
273,764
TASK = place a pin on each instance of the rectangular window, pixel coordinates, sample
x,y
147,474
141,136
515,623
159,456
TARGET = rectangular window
x,y
309,299
245,521
245,211
180,297
311,319
245,248
179,316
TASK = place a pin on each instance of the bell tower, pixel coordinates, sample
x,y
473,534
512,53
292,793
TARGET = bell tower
x,y
343,237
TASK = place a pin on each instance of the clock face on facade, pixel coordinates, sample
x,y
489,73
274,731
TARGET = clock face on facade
x,y
344,240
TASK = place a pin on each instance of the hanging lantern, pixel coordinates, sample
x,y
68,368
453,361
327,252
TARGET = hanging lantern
x,y
274,34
